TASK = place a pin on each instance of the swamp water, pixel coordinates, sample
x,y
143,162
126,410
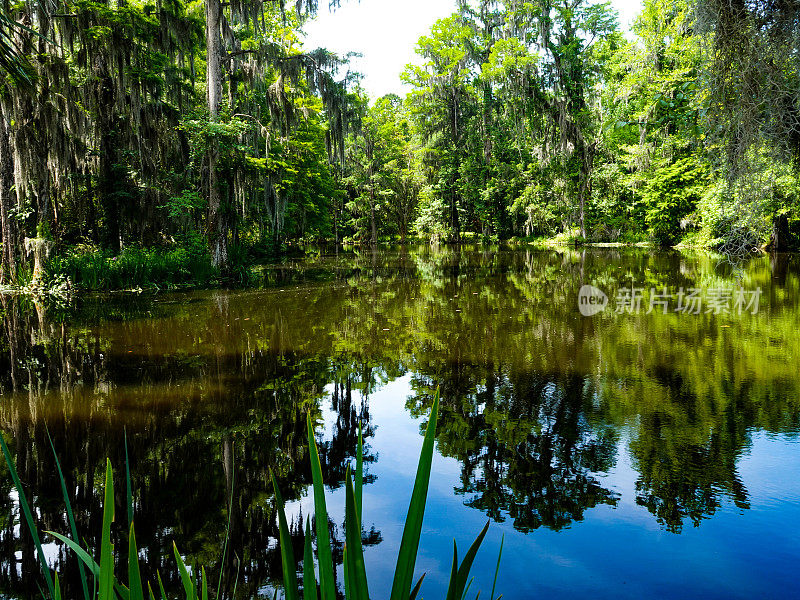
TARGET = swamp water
x,y
633,453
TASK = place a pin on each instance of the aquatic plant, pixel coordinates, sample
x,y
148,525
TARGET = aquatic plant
x,y
92,269
106,584
355,577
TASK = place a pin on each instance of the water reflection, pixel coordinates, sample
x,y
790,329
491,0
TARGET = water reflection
x,y
539,404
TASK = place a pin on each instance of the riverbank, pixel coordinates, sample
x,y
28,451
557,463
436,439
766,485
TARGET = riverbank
x,y
90,269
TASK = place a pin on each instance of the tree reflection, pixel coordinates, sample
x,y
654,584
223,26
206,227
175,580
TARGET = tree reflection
x,y
529,445
214,388
202,431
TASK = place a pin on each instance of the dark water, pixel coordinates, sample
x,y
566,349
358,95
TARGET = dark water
x,y
621,455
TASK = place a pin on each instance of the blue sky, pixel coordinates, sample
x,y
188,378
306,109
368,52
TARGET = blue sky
x,y
386,32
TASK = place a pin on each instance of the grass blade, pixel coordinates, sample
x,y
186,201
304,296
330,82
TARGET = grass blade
x,y
161,587
469,558
94,568
128,487
466,591
324,555
228,528
57,585
409,545
458,580
26,511
451,586
123,592
82,555
106,591
355,553
186,579
70,516
204,595
287,554
359,472
134,576
345,564
497,568
309,580
415,591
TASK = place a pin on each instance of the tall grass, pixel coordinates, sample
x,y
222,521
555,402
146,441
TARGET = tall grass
x,y
94,269
106,584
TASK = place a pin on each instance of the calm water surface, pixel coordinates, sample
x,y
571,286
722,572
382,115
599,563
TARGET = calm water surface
x,y
621,455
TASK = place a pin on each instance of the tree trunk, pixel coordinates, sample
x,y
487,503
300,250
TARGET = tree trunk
x,y
217,227
39,249
373,226
7,261
336,222
779,239
455,223
107,188
585,185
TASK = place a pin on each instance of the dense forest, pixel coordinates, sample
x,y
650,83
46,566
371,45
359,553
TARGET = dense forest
x,y
198,136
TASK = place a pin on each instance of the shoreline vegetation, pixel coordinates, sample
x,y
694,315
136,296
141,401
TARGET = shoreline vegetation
x,y
80,270
180,143
88,270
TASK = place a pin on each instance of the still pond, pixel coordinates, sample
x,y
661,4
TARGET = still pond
x,y
642,452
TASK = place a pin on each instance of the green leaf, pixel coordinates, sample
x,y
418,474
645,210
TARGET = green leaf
x,y
57,585
451,586
359,473
70,516
227,528
497,568
409,545
458,585
309,580
84,556
324,554
287,554
106,590
355,553
128,487
161,587
134,576
186,579
26,511
415,591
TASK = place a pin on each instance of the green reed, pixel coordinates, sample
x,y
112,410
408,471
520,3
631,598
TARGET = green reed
x,y
106,584
94,269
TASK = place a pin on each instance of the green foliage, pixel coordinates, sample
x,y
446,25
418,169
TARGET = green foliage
x,y
671,194
93,269
524,120
188,204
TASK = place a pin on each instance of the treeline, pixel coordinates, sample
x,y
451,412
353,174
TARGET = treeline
x,y
206,127
542,119
202,125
